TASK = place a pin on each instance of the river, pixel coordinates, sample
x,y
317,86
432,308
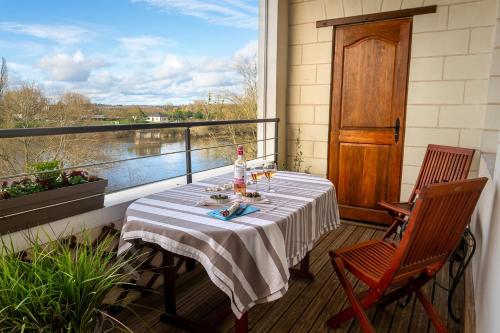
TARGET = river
x,y
150,169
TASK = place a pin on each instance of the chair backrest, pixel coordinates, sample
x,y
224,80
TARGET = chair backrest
x,y
438,220
442,164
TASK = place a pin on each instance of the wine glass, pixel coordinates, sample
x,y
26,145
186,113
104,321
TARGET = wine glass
x,y
256,173
270,170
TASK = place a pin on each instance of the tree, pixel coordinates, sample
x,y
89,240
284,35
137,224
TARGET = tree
x,y
71,109
4,76
24,107
135,114
27,107
237,106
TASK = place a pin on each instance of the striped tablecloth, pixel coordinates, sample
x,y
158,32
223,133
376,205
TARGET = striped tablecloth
x,y
247,257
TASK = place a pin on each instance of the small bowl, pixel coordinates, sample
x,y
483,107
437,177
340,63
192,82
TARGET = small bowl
x,y
219,201
252,199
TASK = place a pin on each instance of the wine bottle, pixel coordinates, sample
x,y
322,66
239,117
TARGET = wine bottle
x,y
240,169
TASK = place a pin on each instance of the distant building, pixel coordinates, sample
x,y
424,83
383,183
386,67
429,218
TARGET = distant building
x,y
156,117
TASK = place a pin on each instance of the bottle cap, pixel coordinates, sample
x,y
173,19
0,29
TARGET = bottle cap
x,y
240,150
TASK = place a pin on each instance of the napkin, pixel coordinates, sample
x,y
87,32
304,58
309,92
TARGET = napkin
x,y
217,213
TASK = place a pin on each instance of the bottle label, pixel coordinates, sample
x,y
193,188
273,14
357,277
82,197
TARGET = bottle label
x,y
239,176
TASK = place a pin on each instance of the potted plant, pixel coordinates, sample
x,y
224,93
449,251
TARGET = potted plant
x,y
50,195
60,287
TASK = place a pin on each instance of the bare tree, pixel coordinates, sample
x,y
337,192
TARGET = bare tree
x,y
72,108
4,76
238,106
27,107
22,108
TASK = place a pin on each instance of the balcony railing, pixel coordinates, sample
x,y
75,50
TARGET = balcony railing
x,y
40,210
186,126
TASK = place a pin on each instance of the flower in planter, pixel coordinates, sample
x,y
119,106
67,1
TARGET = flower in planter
x,y
78,177
48,176
20,188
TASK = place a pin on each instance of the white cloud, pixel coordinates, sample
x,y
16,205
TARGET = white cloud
x,y
234,13
145,42
248,52
171,65
153,78
65,67
63,34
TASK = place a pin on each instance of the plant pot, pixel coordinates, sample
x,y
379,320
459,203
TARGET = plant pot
x,y
43,207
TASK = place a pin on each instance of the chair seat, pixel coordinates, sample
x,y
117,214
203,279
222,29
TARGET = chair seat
x,y
368,261
397,207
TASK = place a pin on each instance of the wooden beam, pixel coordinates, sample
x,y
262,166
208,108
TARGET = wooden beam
x,y
377,16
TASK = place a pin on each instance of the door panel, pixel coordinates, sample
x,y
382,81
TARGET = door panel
x,y
360,186
369,87
374,109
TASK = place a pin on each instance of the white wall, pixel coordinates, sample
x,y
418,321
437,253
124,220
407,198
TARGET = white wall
x,y
486,262
272,74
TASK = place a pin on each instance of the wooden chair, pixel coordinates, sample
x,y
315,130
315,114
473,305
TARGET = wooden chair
x,y
441,164
438,220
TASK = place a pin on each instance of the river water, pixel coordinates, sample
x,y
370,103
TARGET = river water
x,y
136,172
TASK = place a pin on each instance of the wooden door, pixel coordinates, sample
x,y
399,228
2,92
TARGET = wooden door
x,y
368,105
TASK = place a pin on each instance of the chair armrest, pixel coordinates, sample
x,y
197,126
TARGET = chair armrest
x,y
397,208
393,229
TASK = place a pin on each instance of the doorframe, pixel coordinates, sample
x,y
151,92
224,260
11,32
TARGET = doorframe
x,y
359,19
364,19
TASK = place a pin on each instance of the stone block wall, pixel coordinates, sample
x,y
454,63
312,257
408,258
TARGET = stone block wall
x,y
453,86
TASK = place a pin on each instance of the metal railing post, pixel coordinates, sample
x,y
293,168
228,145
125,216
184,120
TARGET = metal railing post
x,y
189,167
276,143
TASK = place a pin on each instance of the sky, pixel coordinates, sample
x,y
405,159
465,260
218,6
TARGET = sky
x,y
128,51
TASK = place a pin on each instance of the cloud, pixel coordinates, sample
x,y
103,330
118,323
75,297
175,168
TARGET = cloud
x,y
233,13
62,34
65,67
172,65
145,42
248,52
122,77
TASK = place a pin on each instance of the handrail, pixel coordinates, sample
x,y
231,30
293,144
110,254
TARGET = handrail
x,y
45,131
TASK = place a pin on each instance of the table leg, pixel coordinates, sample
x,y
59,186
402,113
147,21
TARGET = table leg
x,y
190,264
170,316
303,272
241,325
169,274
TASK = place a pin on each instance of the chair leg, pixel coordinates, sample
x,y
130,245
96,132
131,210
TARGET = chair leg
x,y
356,309
436,321
336,320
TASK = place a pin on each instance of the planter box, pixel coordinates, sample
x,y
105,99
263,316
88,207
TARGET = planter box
x,y
43,207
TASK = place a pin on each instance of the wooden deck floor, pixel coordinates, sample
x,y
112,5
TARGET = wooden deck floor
x,y
305,307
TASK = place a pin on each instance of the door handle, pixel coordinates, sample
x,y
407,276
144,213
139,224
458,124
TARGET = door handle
x,y
396,130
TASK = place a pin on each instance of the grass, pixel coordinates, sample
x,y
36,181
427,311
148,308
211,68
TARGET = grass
x,y
60,289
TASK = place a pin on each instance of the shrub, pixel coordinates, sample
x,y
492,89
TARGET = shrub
x,y
60,289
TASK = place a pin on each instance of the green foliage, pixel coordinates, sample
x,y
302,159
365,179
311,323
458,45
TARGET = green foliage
x,y
45,180
77,180
178,115
47,171
298,159
60,289
25,187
